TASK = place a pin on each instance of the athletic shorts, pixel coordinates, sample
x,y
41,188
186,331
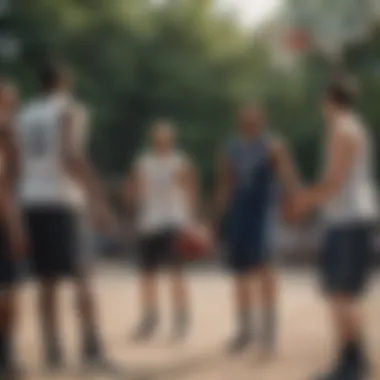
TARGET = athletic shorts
x,y
346,258
55,241
248,247
156,250
9,267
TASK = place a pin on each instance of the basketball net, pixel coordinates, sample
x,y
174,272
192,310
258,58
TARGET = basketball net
x,y
293,46
331,27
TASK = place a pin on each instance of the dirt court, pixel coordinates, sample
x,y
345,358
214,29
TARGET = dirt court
x,y
304,332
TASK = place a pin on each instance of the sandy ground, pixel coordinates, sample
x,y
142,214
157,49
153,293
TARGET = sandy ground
x,y
304,344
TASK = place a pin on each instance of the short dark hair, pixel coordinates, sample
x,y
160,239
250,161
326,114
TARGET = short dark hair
x,y
50,76
342,92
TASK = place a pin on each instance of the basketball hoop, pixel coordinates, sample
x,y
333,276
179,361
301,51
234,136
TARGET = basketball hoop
x,y
297,41
292,45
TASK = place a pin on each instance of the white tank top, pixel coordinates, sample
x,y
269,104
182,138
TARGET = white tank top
x,y
43,180
357,199
163,201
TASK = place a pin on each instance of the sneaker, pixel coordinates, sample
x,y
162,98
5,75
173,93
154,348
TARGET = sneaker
x,y
239,343
145,330
54,358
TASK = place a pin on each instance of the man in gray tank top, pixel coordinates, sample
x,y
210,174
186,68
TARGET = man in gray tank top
x,y
347,196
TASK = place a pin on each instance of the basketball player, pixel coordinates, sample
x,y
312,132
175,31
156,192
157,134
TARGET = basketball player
x,y
163,186
48,133
12,239
250,168
347,196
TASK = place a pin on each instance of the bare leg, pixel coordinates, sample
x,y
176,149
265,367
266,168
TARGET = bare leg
x,y
49,322
346,316
269,304
348,325
149,299
92,349
7,324
181,302
243,305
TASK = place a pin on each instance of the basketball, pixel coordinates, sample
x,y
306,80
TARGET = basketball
x,y
194,242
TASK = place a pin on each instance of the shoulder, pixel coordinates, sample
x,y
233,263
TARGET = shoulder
x,y
348,127
345,134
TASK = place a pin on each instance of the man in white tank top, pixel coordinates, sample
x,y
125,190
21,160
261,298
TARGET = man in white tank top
x,y
53,169
163,189
348,200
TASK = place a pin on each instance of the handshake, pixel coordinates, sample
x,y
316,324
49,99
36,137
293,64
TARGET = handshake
x,y
294,208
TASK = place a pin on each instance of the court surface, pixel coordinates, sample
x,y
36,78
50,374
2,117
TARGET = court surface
x,y
303,350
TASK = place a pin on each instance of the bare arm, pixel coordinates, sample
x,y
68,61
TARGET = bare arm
x,y
224,182
285,169
78,167
10,158
133,185
190,183
75,162
10,209
340,153
341,148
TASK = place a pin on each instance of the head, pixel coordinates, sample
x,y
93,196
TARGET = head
x,y
8,96
162,136
340,96
251,119
54,78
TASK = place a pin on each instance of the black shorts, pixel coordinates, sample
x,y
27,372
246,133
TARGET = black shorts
x,y
9,267
156,250
346,258
53,235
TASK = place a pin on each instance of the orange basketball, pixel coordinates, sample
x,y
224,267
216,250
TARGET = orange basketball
x,y
194,242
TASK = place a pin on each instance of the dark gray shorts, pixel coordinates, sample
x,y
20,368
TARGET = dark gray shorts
x,y
346,258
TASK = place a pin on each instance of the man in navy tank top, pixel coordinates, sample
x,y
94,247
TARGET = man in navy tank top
x,y
253,169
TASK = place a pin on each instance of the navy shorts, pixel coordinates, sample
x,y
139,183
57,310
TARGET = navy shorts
x,y
9,268
248,246
346,258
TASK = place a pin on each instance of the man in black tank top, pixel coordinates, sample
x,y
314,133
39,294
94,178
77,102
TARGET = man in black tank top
x,y
254,165
11,232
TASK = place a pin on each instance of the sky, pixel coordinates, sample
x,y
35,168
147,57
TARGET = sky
x,y
250,12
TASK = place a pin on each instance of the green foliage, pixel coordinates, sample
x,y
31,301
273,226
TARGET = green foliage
x,y
136,60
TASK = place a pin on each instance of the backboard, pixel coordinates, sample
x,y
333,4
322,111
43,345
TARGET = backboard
x,y
332,24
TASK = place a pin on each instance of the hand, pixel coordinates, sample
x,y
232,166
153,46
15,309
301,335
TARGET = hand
x,y
302,204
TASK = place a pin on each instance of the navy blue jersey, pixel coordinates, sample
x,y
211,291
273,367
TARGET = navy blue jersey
x,y
253,181
253,190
